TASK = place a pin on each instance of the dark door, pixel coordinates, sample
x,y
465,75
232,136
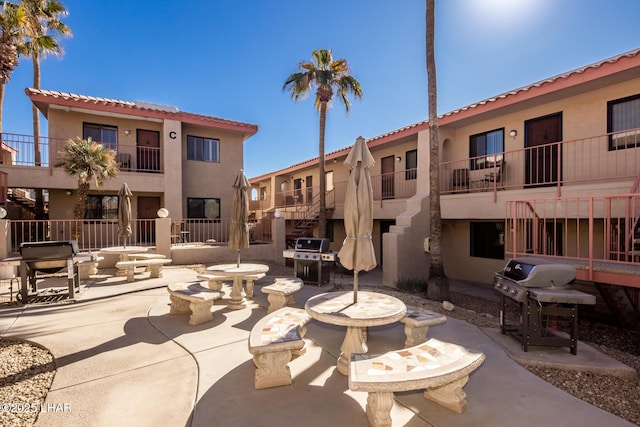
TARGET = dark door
x,y
148,150
385,225
309,184
147,209
387,170
543,157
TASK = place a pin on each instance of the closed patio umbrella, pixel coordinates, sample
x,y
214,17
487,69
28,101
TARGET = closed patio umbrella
x,y
124,213
239,231
357,252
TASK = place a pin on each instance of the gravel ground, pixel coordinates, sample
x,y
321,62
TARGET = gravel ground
x,y
27,370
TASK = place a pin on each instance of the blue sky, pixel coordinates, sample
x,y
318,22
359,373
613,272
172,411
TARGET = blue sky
x,y
229,58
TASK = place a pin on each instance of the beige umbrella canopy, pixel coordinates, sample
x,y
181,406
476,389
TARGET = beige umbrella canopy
x,y
357,252
124,213
239,231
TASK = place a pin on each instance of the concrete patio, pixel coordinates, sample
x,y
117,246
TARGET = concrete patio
x,y
124,360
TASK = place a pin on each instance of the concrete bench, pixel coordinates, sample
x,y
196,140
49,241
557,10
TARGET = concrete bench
x,y
417,322
438,367
191,297
146,255
282,292
273,341
88,267
155,266
214,281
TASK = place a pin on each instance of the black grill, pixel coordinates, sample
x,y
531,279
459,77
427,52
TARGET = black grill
x,y
312,260
47,258
542,289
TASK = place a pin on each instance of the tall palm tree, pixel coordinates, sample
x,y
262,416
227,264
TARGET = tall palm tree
x,y
88,161
325,75
438,283
40,31
12,18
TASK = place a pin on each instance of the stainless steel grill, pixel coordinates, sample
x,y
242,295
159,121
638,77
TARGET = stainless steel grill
x,y
542,289
312,260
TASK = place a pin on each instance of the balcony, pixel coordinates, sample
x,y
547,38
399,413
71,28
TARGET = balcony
x,y
587,161
19,150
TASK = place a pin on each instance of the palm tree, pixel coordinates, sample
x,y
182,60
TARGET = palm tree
x,y
438,283
12,17
43,24
89,161
326,75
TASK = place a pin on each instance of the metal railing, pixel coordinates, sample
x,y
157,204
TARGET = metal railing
x,y
19,150
97,234
397,185
589,229
579,161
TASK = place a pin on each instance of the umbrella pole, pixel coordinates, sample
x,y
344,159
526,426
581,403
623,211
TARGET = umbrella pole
x,y
355,286
238,262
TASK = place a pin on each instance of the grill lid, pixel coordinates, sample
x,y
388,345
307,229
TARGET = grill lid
x,y
534,272
311,244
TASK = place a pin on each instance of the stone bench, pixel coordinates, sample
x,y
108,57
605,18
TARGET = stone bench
x,y
417,322
438,367
191,297
88,266
155,266
146,255
273,341
214,281
282,292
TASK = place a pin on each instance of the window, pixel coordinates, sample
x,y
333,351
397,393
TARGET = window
x,y
204,149
203,208
411,164
487,240
483,145
107,135
101,207
263,193
623,119
328,180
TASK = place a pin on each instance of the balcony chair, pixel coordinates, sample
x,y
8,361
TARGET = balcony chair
x,y
178,235
495,173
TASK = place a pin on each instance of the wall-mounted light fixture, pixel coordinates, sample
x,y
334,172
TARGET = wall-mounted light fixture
x,y
127,131
513,133
69,192
398,159
162,213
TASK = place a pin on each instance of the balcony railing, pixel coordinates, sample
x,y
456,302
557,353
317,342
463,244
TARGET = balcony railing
x,y
19,150
98,234
600,234
397,185
580,161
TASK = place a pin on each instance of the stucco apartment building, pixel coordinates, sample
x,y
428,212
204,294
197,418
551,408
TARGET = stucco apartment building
x,y
551,169
184,162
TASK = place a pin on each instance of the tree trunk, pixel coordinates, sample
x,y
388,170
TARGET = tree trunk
x,y
79,209
322,217
39,205
438,283
2,85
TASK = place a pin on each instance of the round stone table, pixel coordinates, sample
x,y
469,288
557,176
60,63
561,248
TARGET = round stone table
x,y
338,308
236,299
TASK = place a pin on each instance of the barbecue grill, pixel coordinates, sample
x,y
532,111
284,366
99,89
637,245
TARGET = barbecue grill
x,y
312,260
47,258
542,289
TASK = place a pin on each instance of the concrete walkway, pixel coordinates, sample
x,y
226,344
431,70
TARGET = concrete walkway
x,y
124,360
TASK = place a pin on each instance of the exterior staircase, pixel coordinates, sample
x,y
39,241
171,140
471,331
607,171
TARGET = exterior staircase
x,y
306,219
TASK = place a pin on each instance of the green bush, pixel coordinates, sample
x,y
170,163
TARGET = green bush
x,y
413,286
